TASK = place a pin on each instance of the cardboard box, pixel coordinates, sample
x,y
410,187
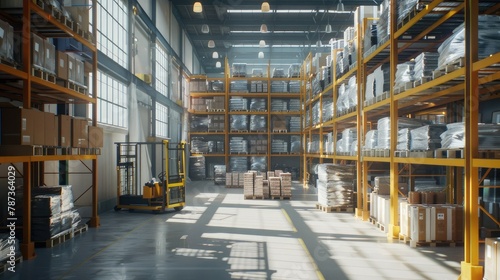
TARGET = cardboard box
x,y
17,126
491,259
71,68
64,133
50,56
51,129
6,40
37,51
420,223
95,137
62,65
441,223
80,16
79,73
38,128
79,133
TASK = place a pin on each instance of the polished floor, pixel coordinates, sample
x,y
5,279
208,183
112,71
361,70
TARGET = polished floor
x,y
219,235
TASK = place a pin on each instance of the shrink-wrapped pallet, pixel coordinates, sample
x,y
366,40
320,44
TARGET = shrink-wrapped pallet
x,y
335,184
426,137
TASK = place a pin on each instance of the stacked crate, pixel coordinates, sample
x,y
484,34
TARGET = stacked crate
x,y
279,146
216,123
294,105
217,104
229,180
279,105
275,186
258,146
265,187
258,86
248,184
286,185
235,178
294,86
219,174
294,124
279,123
258,190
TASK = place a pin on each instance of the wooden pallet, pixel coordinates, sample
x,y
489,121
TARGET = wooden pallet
x,y
329,209
8,61
239,131
402,154
449,153
273,197
55,240
450,67
254,197
80,229
421,81
280,131
4,265
421,154
49,77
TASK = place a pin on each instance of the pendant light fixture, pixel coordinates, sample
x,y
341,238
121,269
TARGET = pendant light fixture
x,y
265,7
197,7
218,64
211,44
260,55
205,28
328,28
215,55
262,43
340,6
263,28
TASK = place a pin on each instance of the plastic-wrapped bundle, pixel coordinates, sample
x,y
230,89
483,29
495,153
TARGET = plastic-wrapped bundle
x,y
426,137
294,70
5,245
258,163
307,119
238,104
66,220
43,228
212,146
279,105
239,69
423,184
216,86
315,113
313,147
294,105
199,123
353,150
371,139
258,123
316,85
404,73
328,146
327,109
46,205
403,139
335,184
352,95
279,86
425,64
384,129
258,104
238,145
383,23
238,164
239,87
76,218
197,168
404,7
199,145
489,41
295,144
370,86
349,135
294,86
294,124
216,122
239,122
454,136
65,192
340,147
220,174
278,73
341,66
279,146
279,123
343,99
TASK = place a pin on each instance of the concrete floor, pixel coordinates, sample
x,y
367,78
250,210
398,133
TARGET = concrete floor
x,y
219,235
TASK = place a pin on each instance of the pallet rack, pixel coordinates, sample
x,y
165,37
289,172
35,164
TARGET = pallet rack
x,y
268,134
32,89
465,85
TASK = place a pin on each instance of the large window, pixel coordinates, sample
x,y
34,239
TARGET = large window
x,y
112,101
161,69
112,22
161,121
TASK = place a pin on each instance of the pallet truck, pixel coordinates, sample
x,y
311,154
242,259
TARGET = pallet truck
x,y
136,164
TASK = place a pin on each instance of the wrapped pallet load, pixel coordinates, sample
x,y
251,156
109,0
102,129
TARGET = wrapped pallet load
x,y
335,184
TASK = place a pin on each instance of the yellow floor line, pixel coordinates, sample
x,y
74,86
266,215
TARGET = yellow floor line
x,y
103,249
288,219
316,269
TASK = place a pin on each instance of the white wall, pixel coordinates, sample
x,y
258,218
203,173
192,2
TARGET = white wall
x,y
187,53
163,18
146,6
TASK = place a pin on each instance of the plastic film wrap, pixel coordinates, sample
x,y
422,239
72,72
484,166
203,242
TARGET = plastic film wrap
x,y
239,122
258,163
64,191
426,137
258,123
371,139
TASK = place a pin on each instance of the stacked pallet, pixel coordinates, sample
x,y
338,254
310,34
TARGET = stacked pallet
x,y
258,189
265,187
335,185
286,185
220,174
248,183
275,186
279,146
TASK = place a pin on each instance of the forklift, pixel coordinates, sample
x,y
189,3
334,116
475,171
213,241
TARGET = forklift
x,y
137,189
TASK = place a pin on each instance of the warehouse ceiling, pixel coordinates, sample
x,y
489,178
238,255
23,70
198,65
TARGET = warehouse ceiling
x,y
294,28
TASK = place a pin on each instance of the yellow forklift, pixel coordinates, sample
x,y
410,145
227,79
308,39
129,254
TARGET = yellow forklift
x,y
137,189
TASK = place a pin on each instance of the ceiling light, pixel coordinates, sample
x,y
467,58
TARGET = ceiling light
x,y
261,55
319,44
263,28
205,29
328,28
340,6
265,7
211,44
215,55
218,64
197,8
262,43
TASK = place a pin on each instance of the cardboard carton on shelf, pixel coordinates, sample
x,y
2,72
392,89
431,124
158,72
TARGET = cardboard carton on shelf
x,y
37,51
95,137
17,125
79,132
64,133
62,65
38,127
49,61
51,129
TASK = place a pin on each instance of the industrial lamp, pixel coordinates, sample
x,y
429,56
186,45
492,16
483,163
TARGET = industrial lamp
x,y
197,7
260,55
263,28
215,55
328,28
218,64
205,29
211,44
262,43
265,7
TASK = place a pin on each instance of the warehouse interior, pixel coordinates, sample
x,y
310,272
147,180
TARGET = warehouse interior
x,y
322,139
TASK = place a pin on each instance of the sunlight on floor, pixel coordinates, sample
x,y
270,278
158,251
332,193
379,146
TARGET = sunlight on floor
x,y
232,198
189,215
250,218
